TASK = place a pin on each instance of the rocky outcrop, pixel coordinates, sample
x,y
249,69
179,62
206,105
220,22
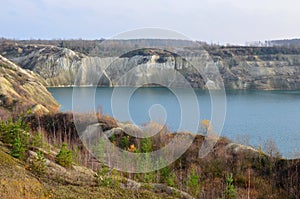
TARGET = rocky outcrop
x,y
22,90
266,68
57,66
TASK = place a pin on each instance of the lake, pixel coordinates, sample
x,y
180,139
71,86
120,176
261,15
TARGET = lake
x,y
252,117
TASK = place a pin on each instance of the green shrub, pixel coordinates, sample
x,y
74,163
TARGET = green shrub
x,y
64,157
15,133
149,177
104,178
38,165
10,130
112,138
167,176
192,183
124,142
146,145
230,192
18,148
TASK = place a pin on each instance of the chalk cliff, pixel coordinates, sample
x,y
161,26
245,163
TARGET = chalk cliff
x,y
265,68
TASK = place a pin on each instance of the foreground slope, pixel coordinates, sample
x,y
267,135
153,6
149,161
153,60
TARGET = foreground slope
x,y
19,181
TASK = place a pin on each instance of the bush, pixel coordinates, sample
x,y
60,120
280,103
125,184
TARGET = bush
x,y
10,130
193,184
64,157
104,178
230,192
124,142
16,134
38,165
146,145
149,177
112,138
18,148
167,176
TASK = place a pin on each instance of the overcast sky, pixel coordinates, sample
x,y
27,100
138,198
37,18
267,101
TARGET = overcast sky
x,y
224,21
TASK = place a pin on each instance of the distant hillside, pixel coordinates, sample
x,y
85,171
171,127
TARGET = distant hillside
x,y
266,68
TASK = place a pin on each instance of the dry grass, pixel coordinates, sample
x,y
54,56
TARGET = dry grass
x,y
16,182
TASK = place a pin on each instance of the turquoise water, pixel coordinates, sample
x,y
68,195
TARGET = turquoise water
x,y
252,117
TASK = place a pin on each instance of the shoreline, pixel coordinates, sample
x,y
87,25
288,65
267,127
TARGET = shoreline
x,y
194,88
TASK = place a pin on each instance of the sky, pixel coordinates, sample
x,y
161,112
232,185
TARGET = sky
x,y
212,21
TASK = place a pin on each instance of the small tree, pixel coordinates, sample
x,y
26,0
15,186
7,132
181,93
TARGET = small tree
x,y
146,145
64,157
124,142
193,184
10,130
18,148
104,177
167,176
230,192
